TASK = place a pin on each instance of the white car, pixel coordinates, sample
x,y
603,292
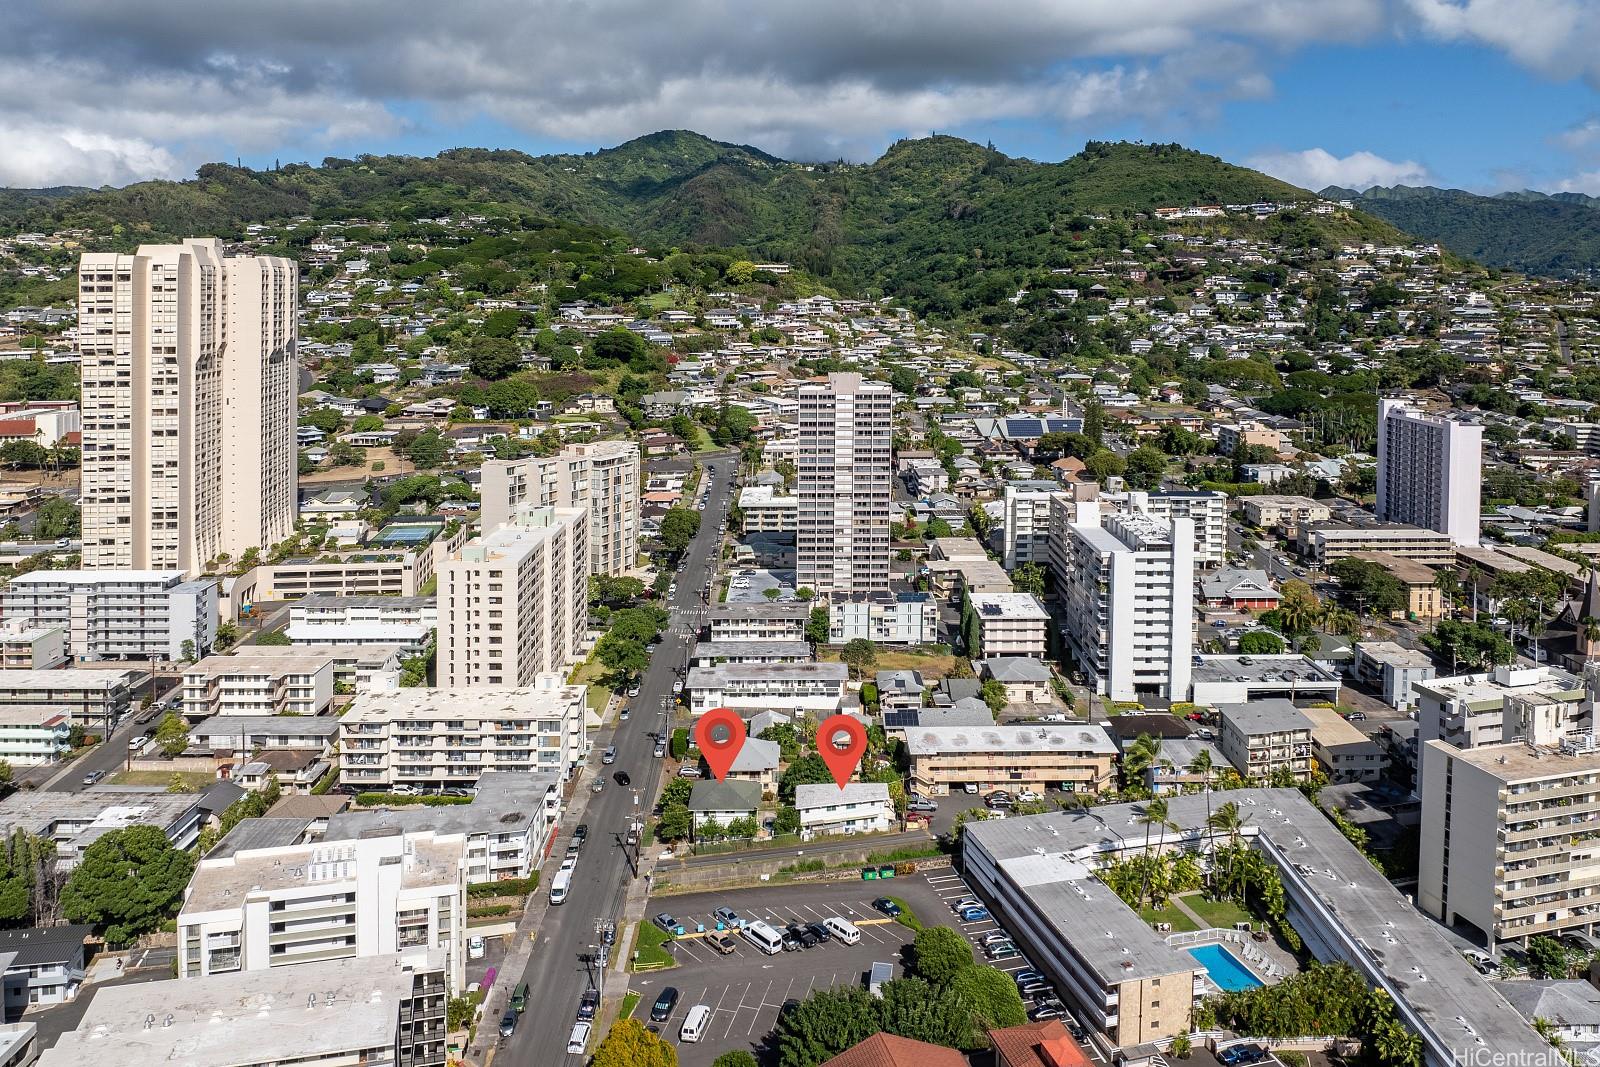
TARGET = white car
x,y
1029,795
579,1039
475,948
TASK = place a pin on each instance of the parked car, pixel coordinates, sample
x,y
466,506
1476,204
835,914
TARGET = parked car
x,y
721,942
1046,1011
887,906
923,805
475,947
997,953
1029,975
578,1040
689,770
995,938
599,784
93,776
1028,796
1033,988
966,902
581,834
508,1024
974,915
609,755
669,924
633,690
519,998
791,941
729,918
665,1002
820,932
588,1004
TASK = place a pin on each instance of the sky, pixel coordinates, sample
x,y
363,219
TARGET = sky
x,y
1485,95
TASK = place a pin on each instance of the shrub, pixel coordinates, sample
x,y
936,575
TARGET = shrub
x,y
509,887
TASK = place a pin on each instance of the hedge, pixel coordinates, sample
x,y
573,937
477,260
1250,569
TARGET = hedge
x,y
508,887
374,800
680,742
487,911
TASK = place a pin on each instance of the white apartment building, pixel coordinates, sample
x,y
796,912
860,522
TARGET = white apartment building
x,y
1128,585
845,485
113,615
1026,524
25,646
514,603
1430,471
1509,838
189,371
1472,710
1265,737
382,1012
254,908
765,511
759,622
1329,543
449,737
751,687
507,826
601,477
364,620
1207,510
92,698
883,618
32,736
858,808
1008,624
244,684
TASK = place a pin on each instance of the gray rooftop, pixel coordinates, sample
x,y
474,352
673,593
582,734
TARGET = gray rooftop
x,y
506,801
1031,737
724,796
312,1011
233,726
722,673
260,833
1276,716
796,612
1282,669
821,796
1456,1009
1015,669
773,650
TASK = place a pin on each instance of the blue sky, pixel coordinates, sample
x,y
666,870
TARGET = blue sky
x,y
1480,94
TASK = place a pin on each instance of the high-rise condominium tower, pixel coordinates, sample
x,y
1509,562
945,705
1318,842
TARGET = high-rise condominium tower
x,y
188,367
1430,471
845,471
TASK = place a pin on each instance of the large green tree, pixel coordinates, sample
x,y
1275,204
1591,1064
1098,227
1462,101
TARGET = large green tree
x,y
127,882
939,953
629,1044
825,1024
991,996
678,527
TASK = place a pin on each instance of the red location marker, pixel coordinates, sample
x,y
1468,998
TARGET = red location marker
x,y
719,734
841,742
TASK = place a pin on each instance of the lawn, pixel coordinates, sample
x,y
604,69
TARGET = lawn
x,y
193,781
907,917
1181,923
1220,913
931,664
592,672
630,1000
702,440
649,955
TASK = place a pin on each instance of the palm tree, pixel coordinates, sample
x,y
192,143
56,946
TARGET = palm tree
x,y
1201,765
1474,576
1226,819
1449,586
1589,627
1140,757
1154,813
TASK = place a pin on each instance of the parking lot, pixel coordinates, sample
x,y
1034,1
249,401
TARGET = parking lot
x,y
747,988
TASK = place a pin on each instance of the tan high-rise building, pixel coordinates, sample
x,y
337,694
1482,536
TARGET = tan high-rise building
x,y
602,476
845,474
188,369
514,602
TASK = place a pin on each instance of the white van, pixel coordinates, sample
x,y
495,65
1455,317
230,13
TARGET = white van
x,y
842,929
560,884
763,937
578,1040
694,1024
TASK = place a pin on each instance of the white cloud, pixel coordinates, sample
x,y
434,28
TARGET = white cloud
x,y
1584,135
1556,38
37,155
1317,168
1585,182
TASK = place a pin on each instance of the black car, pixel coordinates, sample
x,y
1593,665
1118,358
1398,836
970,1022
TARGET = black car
x,y
622,779
581,833
508,1024
887,906
664,1004
820,932
588,1004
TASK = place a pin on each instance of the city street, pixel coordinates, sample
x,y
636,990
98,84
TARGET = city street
x,y
557,974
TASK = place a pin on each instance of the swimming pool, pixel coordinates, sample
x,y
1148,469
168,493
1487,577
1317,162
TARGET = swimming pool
x,y
1224,969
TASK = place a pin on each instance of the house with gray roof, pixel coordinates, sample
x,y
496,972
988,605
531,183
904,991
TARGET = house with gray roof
x,y
722,802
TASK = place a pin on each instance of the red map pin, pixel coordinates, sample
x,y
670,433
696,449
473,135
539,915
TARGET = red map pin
x,y
719,734
841,742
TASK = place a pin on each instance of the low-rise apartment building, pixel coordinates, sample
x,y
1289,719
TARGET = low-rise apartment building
x,y
1393,671
1469,710
89,697
1423,598
33,736
364,620
25,646
1266,737
1240,679
883,618
372,1010
438,737
1005,624
250,908
710,653
1344,752
42,966
74,821
1327,543
118,614
358,668
507,826
765,510
857,808
1286,514
235,737
752,687
245,684
1078,758
759,622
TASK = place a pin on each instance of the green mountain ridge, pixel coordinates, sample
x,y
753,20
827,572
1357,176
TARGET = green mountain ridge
x,y
1528,231
951,226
